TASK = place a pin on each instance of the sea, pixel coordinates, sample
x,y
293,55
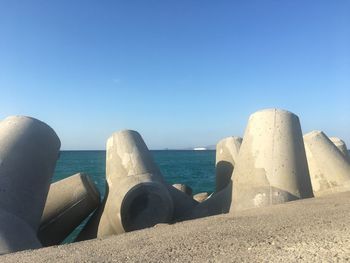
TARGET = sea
x,y
193,168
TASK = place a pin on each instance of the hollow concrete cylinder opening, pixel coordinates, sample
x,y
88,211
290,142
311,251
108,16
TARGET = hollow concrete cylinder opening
x,y
144,206
137,196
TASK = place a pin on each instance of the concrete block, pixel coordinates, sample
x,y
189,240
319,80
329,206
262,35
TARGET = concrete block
x,y
137,196
220,201
271,167
329,169
183,204
29,150
226,154
216,203
68,203
340,144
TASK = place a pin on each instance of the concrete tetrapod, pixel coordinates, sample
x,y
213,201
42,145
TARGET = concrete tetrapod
x,y
216,203
226,154
219,202
29,150
137,196
68,203
329,169
183,204
340,144
271,167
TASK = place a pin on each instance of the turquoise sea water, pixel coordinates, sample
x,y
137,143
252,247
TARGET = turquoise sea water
x,y
193,168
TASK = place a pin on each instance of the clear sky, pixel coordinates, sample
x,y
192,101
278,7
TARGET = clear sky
x,y
183,73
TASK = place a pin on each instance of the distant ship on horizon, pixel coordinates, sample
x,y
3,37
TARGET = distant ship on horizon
x,y
200,149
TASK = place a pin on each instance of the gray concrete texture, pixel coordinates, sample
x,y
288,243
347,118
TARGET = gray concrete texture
x,y
183,204
220,201
340,144
271,167
68,203
137,196
216,203
227,151
329,168
308,230
29,150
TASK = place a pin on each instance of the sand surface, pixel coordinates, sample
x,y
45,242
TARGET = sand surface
x,y
310,230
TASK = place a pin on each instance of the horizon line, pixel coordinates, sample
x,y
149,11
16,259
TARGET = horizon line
x,y
163,149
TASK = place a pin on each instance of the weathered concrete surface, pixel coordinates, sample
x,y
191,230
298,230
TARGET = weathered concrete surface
x,y
68,203
200,197
29,150
184,188
216,203
340,144
329,169
136,195
308,230
183,204
220,201
271,167
226,154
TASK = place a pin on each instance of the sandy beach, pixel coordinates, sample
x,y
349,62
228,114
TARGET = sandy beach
x,y
309,230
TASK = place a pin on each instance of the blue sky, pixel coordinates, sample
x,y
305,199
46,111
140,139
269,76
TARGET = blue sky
x,y
183,73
